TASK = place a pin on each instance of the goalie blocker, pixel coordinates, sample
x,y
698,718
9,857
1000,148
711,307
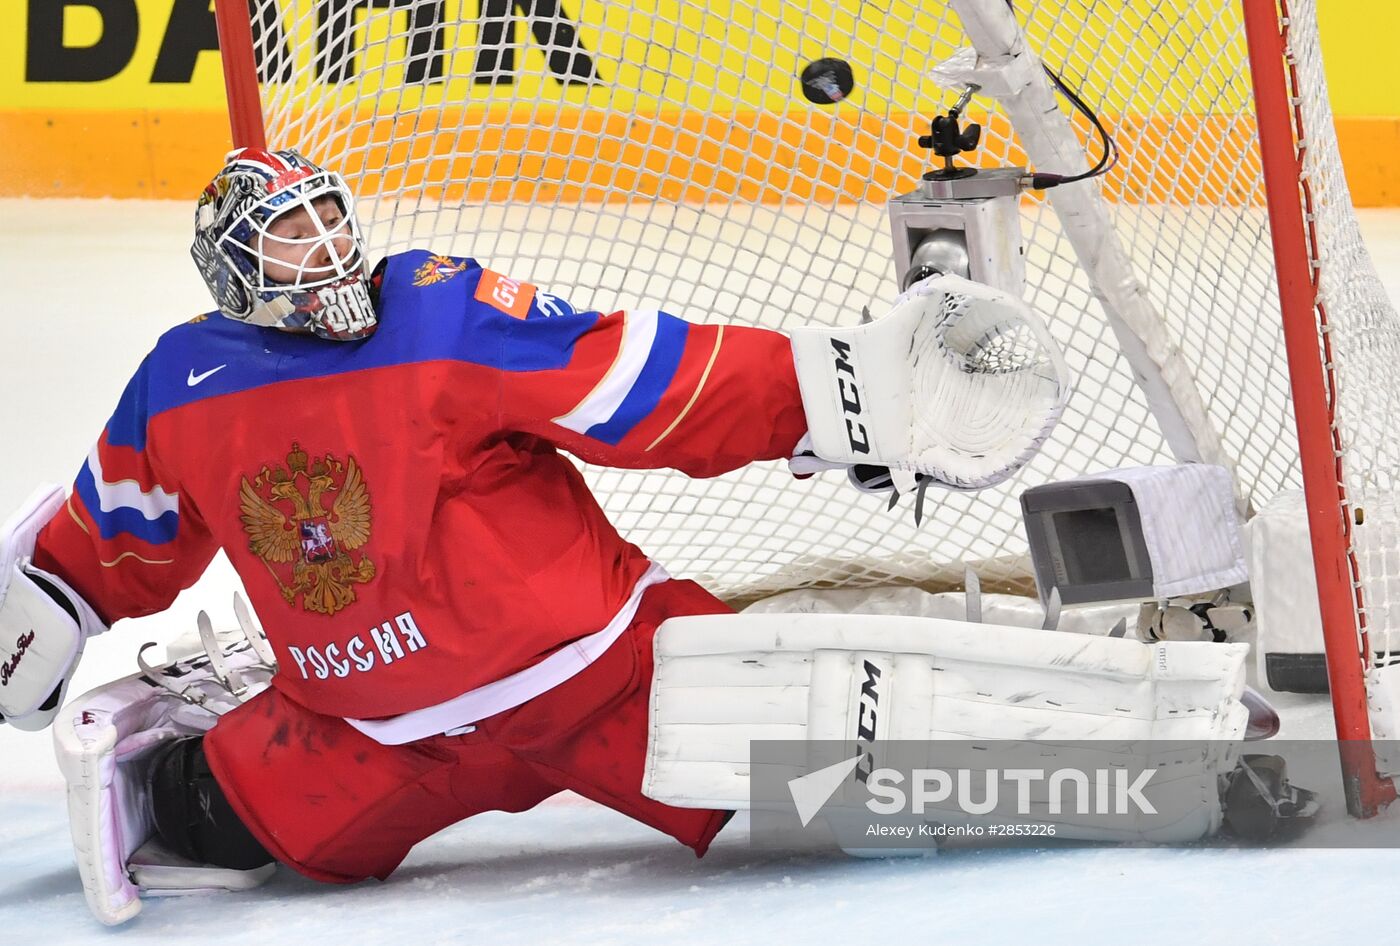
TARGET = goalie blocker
x,y
44,623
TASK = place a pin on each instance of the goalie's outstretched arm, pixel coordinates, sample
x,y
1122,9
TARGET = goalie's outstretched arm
x,y
959,384
646,389
120,545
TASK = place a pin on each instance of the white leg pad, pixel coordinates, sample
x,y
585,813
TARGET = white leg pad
x,y
104,740
723,681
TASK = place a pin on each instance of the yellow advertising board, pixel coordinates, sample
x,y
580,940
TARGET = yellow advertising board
x,y
125,97
162,54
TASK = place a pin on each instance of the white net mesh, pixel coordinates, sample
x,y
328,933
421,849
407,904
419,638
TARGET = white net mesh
x,y
1363,334
649,153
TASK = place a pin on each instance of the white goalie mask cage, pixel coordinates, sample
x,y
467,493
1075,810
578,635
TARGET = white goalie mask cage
x,y
313,277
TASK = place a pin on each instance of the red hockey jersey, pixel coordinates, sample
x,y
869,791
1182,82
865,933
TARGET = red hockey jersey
x,y
397,507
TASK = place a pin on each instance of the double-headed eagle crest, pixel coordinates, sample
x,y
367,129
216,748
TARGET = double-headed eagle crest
x,y
436,269
310,515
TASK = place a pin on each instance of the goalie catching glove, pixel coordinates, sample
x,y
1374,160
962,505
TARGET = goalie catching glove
x,y
959,385
43,622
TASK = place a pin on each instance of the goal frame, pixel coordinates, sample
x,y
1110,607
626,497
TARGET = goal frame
x,y
1312,377
1312,381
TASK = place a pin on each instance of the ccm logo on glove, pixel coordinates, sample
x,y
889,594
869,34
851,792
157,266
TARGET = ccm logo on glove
x,y
850,398
8,668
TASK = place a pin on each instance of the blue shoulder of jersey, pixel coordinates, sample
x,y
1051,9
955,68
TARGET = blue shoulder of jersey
x,y
429,310
479,316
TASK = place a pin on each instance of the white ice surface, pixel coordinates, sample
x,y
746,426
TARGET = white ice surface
x,y
86,286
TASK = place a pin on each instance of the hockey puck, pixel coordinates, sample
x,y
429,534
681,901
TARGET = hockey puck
x,y
827,81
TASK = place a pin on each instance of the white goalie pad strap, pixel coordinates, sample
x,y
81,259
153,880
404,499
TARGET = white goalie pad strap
x,y
1011,610
960,381
104,741
804,460
158,872
723,681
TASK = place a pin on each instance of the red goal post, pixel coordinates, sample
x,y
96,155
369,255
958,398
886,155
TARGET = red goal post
x,y
1282,138
240,74
781,145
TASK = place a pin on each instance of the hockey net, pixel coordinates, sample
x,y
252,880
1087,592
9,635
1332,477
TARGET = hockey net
x,y
655,154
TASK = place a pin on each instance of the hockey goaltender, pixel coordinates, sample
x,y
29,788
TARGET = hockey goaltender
x,y
454,625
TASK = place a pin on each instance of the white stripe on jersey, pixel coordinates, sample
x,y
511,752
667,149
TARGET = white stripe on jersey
x,y
638,337
128,493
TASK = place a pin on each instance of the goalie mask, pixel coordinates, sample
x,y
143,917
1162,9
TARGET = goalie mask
x,y
277,243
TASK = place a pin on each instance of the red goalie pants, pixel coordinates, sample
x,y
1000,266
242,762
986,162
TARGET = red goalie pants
x,y
337,806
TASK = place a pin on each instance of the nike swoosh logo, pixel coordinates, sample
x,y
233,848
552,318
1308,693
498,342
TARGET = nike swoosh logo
x,y
194,379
